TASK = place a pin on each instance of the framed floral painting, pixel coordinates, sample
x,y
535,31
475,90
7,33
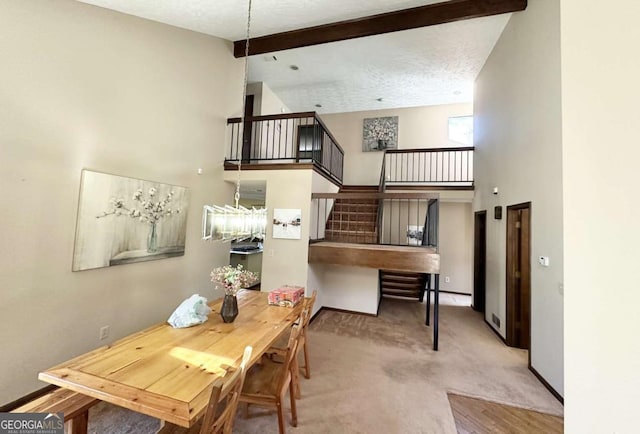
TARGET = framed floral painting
x,y
379,134
123,220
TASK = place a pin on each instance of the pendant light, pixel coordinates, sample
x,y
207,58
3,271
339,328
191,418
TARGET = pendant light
x,y
236,223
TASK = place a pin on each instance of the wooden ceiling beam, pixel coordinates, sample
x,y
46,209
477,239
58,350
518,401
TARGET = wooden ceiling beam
x,y
429,15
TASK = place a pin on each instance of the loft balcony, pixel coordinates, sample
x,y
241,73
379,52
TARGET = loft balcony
x,y
271,141
302,139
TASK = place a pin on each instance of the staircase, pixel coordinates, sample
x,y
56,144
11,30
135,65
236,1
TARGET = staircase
x,y
354,220
403,284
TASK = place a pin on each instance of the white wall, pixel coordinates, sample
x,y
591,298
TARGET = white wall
x,y
271,104
284,261
320,210
418,127
349,288
519,150
255,89
84,87
455,245
600,114
265,101
273,138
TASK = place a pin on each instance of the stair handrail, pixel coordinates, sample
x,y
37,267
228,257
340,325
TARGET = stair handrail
x,y
381,188
382,183
374,195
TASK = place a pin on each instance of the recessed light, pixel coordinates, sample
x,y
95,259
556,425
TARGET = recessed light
x,y
294,67
457,92
318,105
379,99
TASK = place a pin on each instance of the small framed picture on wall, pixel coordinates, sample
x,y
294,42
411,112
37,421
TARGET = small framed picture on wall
x,y
286,223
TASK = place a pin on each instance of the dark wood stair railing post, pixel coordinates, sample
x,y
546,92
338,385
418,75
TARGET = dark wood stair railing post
x,y
247,129
381,188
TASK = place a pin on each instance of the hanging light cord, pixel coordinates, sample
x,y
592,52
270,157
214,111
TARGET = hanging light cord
x,y
244,99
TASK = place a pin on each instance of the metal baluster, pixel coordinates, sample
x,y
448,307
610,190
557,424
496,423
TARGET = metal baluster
x,y
269,140
424,166
331,157
261,137
253,140
455,166
231,147
448,156
413,166
409,204
418,216
390,221
430,167
279,137
394,165
286,137
326,216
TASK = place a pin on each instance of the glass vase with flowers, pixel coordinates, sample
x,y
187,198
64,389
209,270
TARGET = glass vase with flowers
x,y
232,279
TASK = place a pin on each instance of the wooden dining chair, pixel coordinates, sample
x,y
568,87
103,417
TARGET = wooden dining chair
x,y
278,348
267,383
223,422
309,308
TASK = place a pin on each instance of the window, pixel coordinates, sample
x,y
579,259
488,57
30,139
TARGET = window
x,y
461,130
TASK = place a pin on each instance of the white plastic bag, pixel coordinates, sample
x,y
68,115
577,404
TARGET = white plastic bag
x,y
192,311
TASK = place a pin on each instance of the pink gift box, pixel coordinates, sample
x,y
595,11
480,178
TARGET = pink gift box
x,y
288,296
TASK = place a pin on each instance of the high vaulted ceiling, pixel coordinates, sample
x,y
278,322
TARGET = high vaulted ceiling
x,y
425,66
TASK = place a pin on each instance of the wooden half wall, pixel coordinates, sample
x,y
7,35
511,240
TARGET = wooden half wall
x,y
400,258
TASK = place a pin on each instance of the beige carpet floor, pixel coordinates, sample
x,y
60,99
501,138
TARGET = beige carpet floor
x,y
380,375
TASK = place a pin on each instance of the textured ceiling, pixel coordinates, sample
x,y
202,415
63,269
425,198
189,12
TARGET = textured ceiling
x,y
431,65
227,19
426,66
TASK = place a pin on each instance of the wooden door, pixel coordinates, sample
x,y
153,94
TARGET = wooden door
x,y
519,275
479,260
247,131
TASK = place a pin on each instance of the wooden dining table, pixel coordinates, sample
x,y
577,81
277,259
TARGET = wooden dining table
x,y
166,372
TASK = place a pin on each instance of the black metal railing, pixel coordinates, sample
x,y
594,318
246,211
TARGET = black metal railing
x,y
400,219
286,138
435,166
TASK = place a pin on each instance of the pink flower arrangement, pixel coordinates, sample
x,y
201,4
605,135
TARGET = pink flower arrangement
x,y
233,279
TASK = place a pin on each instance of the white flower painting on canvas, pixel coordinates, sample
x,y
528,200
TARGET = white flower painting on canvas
x,y
123,220
379,134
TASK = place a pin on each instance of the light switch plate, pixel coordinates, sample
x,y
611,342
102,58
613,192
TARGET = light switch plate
x,y
543,260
